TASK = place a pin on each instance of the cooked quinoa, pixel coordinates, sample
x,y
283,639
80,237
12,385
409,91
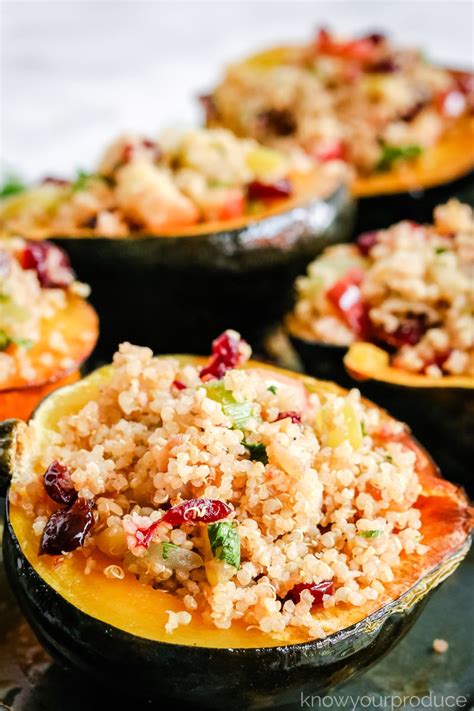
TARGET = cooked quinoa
x,y
312,493
363,100
141,185
410,287
35,282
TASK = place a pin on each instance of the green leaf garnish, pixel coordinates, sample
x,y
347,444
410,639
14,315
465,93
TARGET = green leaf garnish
x,y
272,389
166,548
258,452
391,154
239,412
6,340
12,186
225,542
370,534
441,250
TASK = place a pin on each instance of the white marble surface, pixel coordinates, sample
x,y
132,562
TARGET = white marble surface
x,y
74,74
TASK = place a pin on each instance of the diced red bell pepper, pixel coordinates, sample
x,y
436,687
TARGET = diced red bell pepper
x,y
332,149
317,590
225,355
345,296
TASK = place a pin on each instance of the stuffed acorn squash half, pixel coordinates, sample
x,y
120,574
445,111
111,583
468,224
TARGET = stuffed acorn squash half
x,y
403,125
47,329
203,228
408,290
220,532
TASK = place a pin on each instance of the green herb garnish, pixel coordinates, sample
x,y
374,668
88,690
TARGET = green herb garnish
x,y
362,429
239,412
166,548
6,340
225,542
272,389
12,186
80,182
392,154
258,452
441,250
370,534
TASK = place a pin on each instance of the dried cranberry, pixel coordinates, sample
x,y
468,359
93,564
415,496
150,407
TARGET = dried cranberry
x,y
191,511
334,149
225,355
52,180
280,122
346,297
376,37
366,241
50,263
294,416
66,529
5,263
384,66
208,104
414,110
439,359
179,385
256,190
58,484
407,334
130,148
317,590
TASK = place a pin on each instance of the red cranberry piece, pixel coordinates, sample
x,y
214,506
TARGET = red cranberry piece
x,y
50,263
66,529
329,150
366,241
385,66
294,416
413,111
376,37
407,334
280,122
130,148
256,190
191,511
225,355
317,590
58,484
438,359
5,263
179,385
52,180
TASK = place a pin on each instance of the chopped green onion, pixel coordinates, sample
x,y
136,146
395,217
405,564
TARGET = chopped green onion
x,y
441,250
258,452
225,542
362,429
272,389
12,186
370,534
239,412
391,154
6,340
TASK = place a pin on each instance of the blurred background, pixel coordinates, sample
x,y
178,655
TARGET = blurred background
x,y
74,74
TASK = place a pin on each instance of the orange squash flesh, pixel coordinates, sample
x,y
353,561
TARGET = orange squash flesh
x,y
141,610
450,158
77,325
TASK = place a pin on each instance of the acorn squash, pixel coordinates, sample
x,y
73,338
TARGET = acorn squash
x,y
192,283
116,631
77,326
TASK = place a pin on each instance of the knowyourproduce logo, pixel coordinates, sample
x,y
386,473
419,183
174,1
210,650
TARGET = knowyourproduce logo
x,y
390,702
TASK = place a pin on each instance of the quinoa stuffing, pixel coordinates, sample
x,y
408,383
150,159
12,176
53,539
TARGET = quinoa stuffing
x,y
246,493
36,285
409,287
141,185
362,100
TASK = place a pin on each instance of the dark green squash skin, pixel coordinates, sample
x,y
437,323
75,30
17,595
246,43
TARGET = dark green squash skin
x,y
7,452
442,419
202,677
177,293
376,212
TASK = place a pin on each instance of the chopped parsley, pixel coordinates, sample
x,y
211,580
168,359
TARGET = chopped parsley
x,y
258,452
362,429
6,340
391,154
272,389
370,534
225,542
12,186
441,250
166,548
